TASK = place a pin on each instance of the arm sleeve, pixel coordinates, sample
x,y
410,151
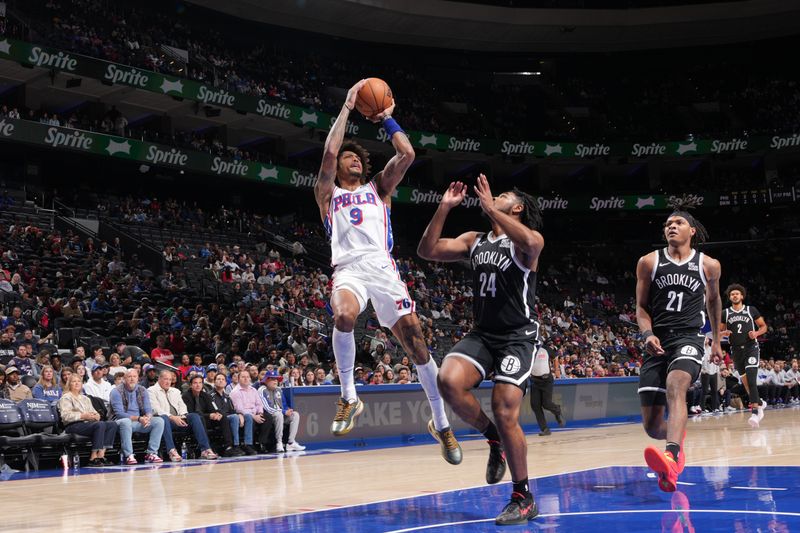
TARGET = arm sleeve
x,y
68,414
755,313
116,403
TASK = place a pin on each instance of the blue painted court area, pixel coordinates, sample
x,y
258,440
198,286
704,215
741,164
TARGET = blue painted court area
x,y
709,499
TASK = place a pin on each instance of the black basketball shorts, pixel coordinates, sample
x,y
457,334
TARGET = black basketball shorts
x,y
506,358
681,352
744,357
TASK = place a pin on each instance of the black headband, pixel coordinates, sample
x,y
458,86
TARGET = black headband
x,y
685,214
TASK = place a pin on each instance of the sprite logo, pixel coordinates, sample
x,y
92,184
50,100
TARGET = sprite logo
x,y
134,76
220,166
172,157
276,110
467,145
639,150
779,142
221,97
522,148
63,61
76,139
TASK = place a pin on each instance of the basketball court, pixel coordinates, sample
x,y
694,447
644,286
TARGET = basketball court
x,y
737,479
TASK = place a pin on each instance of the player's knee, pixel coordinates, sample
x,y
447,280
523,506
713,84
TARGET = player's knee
x,y
344,321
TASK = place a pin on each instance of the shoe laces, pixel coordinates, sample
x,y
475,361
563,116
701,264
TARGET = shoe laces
x,y
342,411
449,439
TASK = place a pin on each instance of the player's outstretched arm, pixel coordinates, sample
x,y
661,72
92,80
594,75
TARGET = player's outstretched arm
x,y
644,271
327,170
432,247
526,240
392,174
713,271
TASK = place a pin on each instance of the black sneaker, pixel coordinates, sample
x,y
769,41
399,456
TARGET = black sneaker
x,y
519,510
545,432
232,451
560,419
249,450
496,466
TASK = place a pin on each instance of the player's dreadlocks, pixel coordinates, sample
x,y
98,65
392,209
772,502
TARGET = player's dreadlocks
x,y
531,215
681,209
363,155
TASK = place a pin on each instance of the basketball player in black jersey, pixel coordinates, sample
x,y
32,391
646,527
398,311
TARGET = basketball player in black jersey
x,y
506,332
674,286
743,324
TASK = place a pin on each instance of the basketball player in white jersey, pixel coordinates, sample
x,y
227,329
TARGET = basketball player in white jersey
x,y
355,211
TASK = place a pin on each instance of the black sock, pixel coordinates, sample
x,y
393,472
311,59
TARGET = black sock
x,y
521,487
491,432
674,449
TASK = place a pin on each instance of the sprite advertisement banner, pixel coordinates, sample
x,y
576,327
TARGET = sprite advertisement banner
x,y
61,138
80,65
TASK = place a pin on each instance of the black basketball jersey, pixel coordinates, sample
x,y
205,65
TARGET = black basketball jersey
x,y
504,291
740,323
678,293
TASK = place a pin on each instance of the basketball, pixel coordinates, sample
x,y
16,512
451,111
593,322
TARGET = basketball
x,y
373,97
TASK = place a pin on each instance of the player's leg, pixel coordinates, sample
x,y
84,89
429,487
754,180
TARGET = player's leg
x,y
506,401
462,370
407,329
746,363
652,396
347,303
537,399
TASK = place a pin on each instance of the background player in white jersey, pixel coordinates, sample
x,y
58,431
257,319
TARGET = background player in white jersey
x,y
356,212
506,333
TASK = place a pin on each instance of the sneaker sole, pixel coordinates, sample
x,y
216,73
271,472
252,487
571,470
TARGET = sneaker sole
x,y
658,464
499,478
435,435
753,422
349,427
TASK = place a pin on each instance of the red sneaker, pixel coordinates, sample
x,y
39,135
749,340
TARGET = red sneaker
x,y
663,464
682,455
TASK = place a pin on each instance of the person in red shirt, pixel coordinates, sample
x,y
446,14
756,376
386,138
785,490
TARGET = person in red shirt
x,y
160,353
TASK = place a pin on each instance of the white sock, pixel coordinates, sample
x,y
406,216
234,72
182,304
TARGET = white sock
x,y
344,349
427,377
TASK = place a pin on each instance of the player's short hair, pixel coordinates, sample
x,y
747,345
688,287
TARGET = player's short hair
x,y
531,215
735,287
363,155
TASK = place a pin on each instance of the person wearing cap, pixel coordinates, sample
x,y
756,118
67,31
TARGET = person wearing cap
x,y
273,406
168,404
211,373
150,376
98,386
16,391
47,388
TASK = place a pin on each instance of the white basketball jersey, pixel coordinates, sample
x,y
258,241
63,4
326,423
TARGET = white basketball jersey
x,y
358,225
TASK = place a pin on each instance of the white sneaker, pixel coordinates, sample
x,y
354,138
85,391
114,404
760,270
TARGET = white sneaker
x,y
280,448
754,420
730,409
295,447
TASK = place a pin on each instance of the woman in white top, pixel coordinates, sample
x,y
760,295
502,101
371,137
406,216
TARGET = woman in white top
x,y
81,418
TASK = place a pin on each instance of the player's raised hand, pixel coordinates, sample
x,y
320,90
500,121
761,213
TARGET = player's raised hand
x,y
383,114
352,94
454,195
652,345
484,194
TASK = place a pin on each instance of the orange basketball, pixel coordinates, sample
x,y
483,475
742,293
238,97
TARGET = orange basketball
x,y
373,97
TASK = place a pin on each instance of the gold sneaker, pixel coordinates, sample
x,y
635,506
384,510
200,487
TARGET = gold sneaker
x,y
451,449
345,419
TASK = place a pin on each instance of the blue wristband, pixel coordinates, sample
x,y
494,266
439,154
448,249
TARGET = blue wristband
x,y
391,126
